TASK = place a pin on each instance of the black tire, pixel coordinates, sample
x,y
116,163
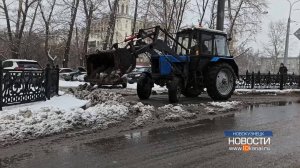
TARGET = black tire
x,y
190,92
221,75
174,90
144,87
124,85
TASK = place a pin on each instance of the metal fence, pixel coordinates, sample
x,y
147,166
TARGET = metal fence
x,y
24,86
268,81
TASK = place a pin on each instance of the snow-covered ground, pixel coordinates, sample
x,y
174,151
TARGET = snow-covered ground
x,y
155,88
56,115
106,106
266,90
75,84
70,84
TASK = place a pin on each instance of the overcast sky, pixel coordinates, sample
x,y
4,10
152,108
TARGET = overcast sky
x,y
279,10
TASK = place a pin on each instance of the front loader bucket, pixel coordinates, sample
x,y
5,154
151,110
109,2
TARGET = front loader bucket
x,y
107,67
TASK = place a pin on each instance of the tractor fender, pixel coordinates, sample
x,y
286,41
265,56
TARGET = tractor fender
x,y
218,60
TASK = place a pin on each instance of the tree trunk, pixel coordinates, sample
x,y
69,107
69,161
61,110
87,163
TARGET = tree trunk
x,y
89,17
111,26
68,44
135,16
147,12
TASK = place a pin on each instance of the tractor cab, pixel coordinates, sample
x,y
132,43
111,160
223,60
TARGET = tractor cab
x,y
202,42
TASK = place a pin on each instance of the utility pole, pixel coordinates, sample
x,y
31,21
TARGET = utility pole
x,y
287,38
220,15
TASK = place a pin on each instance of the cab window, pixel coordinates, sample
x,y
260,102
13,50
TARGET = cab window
x,y
206,44
195,47
221,47
183,39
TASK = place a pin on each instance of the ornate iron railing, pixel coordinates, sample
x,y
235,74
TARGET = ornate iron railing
x,y
268,81
24,86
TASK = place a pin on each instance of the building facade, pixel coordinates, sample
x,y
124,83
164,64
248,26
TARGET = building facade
x,y
123,27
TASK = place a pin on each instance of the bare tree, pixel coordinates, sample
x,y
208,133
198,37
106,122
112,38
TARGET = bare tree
x,y
47,22
135,16
202,9
15,38
74,7
89,6
148,5
167,13
213,15
274,48
111,25
244,17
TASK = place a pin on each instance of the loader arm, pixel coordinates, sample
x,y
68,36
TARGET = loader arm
x,y
154,41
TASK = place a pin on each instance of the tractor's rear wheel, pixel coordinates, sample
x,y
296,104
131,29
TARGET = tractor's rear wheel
x,y
174,90
144,87
220,82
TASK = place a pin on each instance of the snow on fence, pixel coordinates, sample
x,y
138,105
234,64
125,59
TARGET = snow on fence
x,y
24,86
268,81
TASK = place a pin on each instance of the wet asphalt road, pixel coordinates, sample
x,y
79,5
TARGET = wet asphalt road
x,y
200,145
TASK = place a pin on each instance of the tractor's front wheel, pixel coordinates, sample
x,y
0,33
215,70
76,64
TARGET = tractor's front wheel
x,y
174,90
220,82
144,87
124,85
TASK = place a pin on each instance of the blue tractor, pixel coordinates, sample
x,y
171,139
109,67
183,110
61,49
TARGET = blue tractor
x,y
196,58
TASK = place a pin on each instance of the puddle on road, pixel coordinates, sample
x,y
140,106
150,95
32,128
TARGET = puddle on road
x,y
252,117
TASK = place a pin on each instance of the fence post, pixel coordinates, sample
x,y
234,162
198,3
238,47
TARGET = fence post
x,y
281,82
247,79
1,85
252,81
47,91
57,79
298,80
269,78
258,78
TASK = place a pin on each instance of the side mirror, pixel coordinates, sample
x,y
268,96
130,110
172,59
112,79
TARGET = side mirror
x,y
229,39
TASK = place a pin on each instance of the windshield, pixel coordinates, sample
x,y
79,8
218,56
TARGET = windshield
x,y
65,70
26,64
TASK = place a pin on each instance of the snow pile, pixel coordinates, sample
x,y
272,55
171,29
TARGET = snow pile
x,y
229,105
104,114
145,114
175,113
98,96
37,122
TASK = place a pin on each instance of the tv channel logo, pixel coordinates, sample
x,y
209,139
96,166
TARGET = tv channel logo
x,y
247,141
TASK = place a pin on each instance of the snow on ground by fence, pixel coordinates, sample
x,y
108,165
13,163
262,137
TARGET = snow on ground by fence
x,y
56,115
266,90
